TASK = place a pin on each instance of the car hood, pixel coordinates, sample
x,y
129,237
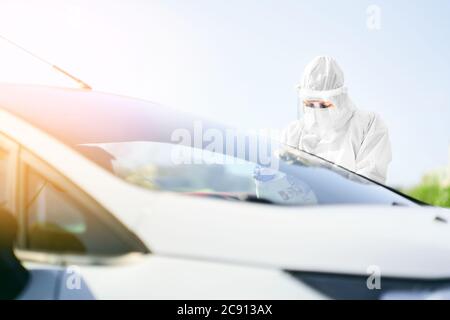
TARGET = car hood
x,y
400,241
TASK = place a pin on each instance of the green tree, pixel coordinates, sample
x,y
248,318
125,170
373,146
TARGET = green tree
x,y
432,193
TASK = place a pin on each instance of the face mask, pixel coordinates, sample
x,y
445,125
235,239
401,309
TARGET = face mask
x,y
322,119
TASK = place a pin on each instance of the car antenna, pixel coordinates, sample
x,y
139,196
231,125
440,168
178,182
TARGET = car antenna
x,y
81,83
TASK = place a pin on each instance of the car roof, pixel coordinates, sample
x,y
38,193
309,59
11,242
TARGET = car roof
x,y
77,116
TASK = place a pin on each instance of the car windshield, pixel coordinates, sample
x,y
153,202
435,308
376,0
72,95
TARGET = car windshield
x,y
148,145
287,176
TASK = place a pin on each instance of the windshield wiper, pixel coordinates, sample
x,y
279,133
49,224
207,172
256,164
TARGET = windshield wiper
x,y
399,204
248,197
255,199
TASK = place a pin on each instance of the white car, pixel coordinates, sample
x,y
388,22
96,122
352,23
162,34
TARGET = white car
x,y
107,207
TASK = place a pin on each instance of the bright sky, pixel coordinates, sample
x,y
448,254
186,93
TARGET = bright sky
x,y
238,60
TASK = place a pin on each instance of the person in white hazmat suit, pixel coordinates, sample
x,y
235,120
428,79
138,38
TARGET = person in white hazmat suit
x,y
332,128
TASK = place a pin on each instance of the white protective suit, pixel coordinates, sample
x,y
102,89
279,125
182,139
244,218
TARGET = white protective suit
x,y
354,139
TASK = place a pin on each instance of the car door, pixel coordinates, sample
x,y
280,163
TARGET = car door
x,y
9,151
61,227
42,283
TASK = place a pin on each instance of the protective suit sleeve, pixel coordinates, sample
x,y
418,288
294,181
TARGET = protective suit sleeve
x,y
375,154
291,135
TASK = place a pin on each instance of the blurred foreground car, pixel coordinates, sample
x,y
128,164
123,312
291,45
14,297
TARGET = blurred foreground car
x,y
106,207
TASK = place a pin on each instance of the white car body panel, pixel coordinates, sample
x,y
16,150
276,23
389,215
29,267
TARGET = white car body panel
x,y
157,277
336,239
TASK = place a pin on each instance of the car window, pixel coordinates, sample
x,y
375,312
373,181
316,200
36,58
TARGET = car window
x,y
4,160
58,223
8,156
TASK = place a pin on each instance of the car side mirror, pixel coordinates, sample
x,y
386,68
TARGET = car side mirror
x,y
13,276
